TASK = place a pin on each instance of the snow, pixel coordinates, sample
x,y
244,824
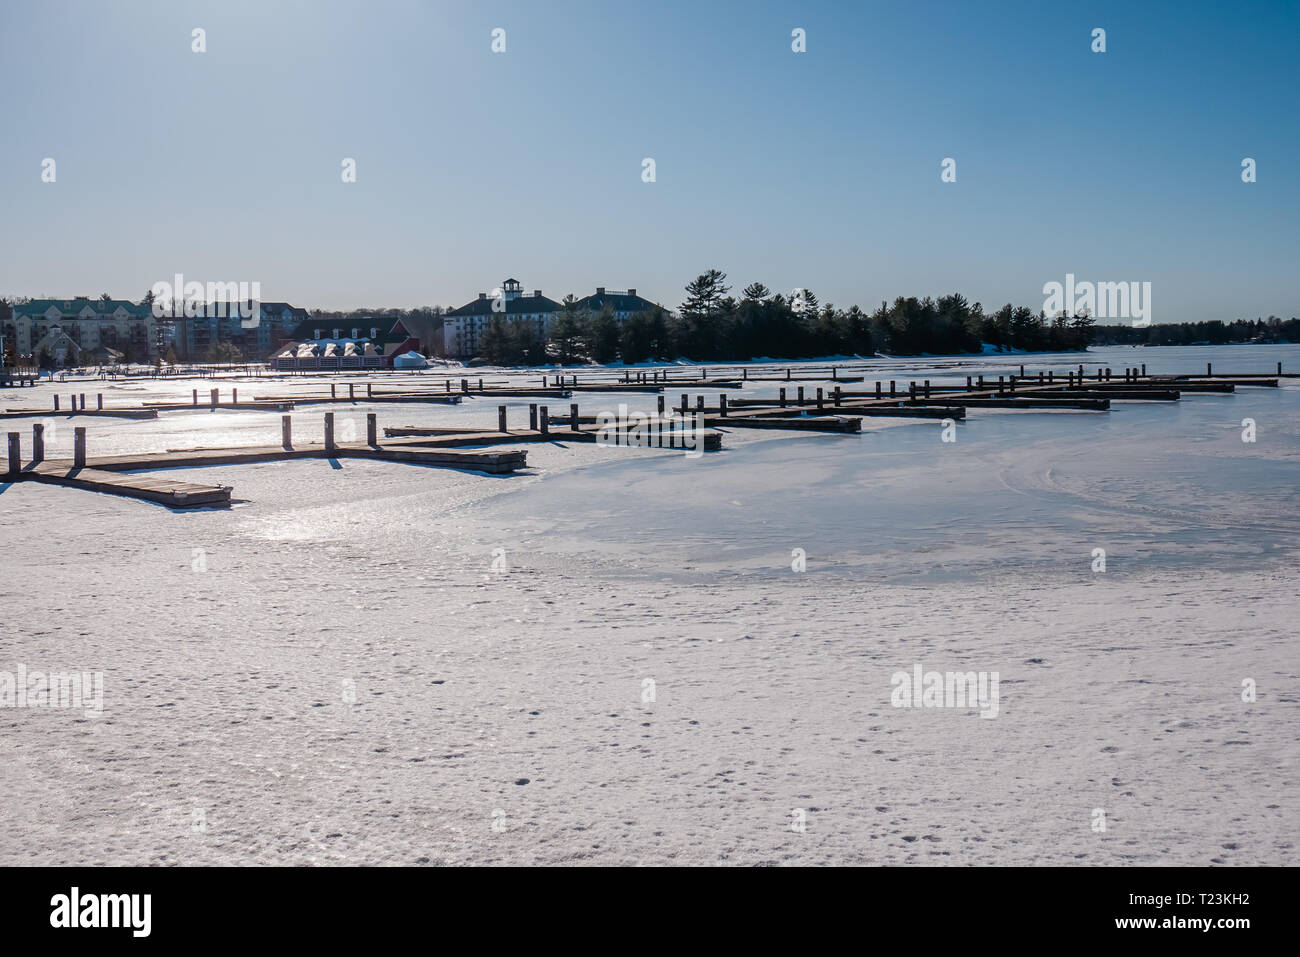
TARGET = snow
x,y
377,653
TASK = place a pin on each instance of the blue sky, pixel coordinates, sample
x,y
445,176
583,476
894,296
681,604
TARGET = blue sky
x,y
819,169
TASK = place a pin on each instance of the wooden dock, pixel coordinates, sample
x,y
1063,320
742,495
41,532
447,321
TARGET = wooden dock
x,y
165,491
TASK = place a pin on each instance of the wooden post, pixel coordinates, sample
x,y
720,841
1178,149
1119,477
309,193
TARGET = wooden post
x,y
333,394
981,383
927,388
1001,384
368,392
56,403
15,453
38,443
819,400
83,402
686,404
99,401
480,384
1107,373
447,384
968,384
699,404
800,395
372,429
464,386
783,398
744,373
329,431
79,447
196,398
891,388
660,403
234,397
1209,369
573,417
544,420
911,390
722,405
286,432
877,388
787,375
1022,372
352,391
501,418
837,395
1049,376
532,417
1144,368
1279,368
214,398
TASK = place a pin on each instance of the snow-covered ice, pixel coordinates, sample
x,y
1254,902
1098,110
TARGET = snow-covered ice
x,y
372,663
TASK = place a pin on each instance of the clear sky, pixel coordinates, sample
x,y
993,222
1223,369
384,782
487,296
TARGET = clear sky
x,y
818,169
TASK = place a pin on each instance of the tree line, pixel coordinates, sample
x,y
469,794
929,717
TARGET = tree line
x,y
711,325
1215,332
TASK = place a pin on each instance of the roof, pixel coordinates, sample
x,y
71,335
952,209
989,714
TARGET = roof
x,y
390,331
38,307
514,307
619,301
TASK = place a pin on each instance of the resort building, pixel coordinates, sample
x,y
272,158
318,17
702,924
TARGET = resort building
x,y
625,304
462,328
371,343
103,326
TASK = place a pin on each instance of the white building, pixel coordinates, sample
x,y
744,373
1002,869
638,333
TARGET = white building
x,y
463,328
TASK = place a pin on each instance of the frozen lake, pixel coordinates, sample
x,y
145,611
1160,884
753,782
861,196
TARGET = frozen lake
x,y
360,663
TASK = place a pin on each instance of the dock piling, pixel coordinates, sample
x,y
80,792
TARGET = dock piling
x,y
783,398
573,416
329,432
501,418
927,388
878,389
800,395
56,403
99,401
544,420
214,397
38,443
352,392
15,453
286,432
372,429
837,395
819,400
196,399
722,404
532,416
79,447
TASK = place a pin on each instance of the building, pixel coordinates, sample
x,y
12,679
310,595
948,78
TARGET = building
x,y
462,328
193,336
88,324
625,304
117,326
363,344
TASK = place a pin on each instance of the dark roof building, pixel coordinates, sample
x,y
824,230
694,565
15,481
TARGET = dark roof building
x,y
461,328
624,304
